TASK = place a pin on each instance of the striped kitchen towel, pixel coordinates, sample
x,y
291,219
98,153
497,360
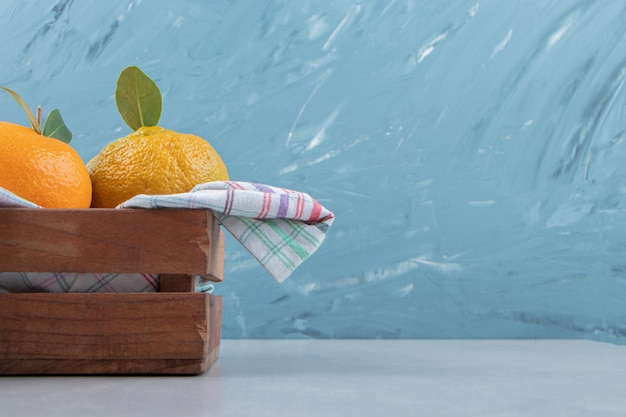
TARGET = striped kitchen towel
x,y
281,228
8,199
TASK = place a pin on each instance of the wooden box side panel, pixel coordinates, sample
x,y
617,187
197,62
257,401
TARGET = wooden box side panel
x,y
158,333
163,241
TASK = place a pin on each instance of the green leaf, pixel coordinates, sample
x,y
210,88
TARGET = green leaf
x,y
55,127
29,114
138,98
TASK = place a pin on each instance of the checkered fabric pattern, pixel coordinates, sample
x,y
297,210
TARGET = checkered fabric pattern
x,y
60,282
281,228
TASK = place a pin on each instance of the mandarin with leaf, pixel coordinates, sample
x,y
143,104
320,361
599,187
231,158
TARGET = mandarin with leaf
x,y
150,160
39,165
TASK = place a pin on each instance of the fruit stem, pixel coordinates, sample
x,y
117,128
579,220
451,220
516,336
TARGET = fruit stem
x,y
29,114
39,115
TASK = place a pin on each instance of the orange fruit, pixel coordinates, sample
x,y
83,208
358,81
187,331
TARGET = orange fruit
x,y
42,170
152,160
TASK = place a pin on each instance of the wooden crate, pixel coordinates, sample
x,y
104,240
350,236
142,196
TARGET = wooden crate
x,y
173,331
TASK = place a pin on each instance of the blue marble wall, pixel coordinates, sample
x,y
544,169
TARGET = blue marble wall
x,y
473,151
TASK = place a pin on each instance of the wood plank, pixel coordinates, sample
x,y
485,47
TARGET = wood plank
x,y
106,367
176,241
145,333
177,283
216,250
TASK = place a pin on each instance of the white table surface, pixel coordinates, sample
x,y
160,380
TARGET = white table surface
x,y
352,378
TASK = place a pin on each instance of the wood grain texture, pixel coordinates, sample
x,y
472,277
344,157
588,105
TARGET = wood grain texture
x,y
146,333
177,283
216,250
173,241
136,333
